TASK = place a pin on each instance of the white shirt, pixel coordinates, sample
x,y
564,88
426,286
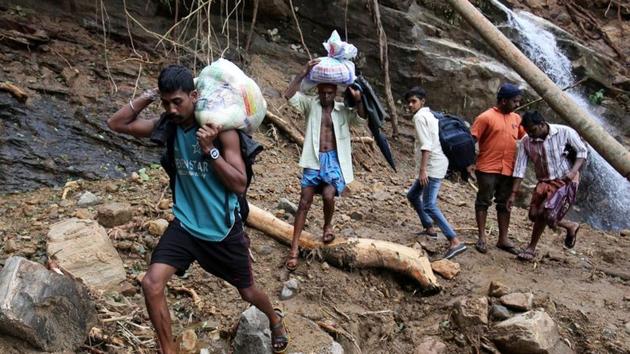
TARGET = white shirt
x,y
342,118
548,155
428,139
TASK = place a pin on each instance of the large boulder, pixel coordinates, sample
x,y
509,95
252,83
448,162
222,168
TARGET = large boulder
x,y
529,333
83,249
49,311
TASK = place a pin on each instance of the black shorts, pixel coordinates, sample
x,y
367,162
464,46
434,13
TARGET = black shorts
x,y
493,185
227,259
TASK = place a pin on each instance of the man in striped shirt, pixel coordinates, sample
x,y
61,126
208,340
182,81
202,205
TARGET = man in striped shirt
x,y
546,146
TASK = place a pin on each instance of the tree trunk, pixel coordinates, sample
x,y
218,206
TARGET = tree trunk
x,y
384,59
610,149
353,253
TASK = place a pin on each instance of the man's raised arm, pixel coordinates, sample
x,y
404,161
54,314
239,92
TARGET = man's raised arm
x,y
294,86
126,121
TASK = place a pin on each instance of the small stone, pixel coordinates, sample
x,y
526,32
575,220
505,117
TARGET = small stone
x,y
150,242
114,214
53,212
470,312
624,233
111,188
355,215
497,289
279,213
289,290
88,199
325,266
627,327
128,289
518,301
446,268
187,341
431,345
10,246
164,204
608,256
83,214
500,313
264,250
66,203
157,227
135,177
381,196
288,206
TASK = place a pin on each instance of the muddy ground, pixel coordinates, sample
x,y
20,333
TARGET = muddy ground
x,y
382,312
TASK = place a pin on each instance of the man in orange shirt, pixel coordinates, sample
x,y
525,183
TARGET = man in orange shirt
x,y
496,131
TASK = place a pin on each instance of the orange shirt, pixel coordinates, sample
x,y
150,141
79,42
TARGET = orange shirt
x,y
497,134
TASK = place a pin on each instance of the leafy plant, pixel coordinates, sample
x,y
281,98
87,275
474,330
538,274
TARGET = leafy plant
x,y
596,97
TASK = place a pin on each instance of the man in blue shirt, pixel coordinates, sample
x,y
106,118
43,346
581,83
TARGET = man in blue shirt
x,y
205,182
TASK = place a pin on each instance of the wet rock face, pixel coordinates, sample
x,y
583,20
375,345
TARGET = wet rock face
x,y
44,144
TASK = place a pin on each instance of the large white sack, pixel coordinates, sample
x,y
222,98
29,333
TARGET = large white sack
x,y
229,98
336,68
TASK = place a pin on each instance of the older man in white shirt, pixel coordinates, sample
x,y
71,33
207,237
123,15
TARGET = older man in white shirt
x,y
326,154
431,164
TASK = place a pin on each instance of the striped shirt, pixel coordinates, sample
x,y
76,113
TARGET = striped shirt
x,y
549,155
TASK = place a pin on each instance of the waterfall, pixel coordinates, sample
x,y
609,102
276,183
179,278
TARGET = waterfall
x,y
604,196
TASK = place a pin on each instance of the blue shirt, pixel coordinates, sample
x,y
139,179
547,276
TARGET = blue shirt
x,y
199,194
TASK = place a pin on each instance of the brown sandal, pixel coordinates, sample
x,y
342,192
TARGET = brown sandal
x,y
289,265
279,343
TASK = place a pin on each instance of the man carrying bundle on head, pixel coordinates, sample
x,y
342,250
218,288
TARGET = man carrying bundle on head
x,y
207,172
326,154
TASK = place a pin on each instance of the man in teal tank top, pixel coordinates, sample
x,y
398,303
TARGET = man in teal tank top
x,y
205,182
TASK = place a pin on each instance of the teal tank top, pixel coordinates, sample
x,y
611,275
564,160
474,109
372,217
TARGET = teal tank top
x,y
199,194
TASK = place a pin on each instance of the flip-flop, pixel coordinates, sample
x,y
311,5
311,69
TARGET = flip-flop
x,y
279,343
481,246
569,242
510,249
291,268
452,252
527,255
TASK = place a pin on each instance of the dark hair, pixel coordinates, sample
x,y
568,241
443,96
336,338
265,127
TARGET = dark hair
x,y
531,118
175,77
416,91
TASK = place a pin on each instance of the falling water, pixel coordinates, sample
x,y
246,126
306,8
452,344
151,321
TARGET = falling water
x,y
604,200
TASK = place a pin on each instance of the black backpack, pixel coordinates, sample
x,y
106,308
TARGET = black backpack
x,y
457,142
164,134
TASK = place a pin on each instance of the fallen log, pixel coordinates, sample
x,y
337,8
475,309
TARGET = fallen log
x,y
355,252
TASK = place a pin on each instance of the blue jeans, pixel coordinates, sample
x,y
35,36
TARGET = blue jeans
x,y
424,201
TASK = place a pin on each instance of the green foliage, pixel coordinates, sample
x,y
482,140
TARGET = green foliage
x,y
596,97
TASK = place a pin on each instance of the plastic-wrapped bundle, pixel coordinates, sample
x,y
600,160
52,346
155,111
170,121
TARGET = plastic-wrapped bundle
x,y
229,98
336,68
